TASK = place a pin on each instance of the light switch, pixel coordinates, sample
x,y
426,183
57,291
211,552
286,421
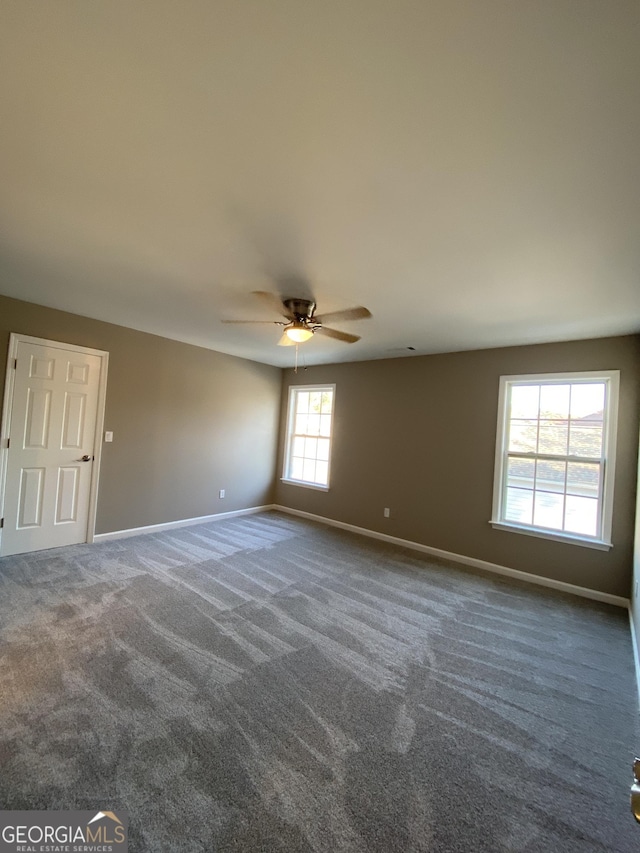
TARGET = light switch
x,y
108,436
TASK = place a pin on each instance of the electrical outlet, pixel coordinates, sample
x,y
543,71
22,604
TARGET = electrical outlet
x,y
387,512
108,436
221,493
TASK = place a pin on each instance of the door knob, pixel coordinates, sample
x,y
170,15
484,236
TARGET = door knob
x,y
85,458
635,790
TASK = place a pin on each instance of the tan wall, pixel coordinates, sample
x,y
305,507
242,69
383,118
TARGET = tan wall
x,y
187,421
418,434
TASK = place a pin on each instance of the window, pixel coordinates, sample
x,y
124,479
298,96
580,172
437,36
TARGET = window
x,y
309,427
555,456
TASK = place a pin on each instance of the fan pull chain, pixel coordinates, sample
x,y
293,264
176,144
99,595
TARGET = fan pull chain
x,y
295,369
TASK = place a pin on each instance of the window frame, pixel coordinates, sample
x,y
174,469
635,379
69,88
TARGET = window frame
x,y
290,435
611,379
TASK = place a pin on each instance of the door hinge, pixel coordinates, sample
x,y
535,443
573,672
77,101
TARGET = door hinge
x,y
1,523
15,363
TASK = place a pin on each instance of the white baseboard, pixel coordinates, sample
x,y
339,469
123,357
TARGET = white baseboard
x,y
172,525
582,591
636,651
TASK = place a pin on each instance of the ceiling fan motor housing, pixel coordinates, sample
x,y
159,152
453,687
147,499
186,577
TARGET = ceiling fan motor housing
x,y
302,309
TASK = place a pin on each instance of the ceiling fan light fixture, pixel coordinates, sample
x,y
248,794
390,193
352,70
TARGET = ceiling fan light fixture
x,y
299,333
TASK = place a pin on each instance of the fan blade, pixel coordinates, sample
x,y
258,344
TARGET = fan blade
x,y
273,302
266,322
339,336
358,313
285,341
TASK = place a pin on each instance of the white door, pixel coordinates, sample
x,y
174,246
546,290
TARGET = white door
x,y
52,438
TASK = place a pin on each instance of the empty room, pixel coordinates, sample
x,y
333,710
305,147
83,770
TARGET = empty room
x,y
320,359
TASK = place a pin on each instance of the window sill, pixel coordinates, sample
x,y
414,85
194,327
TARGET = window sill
x,y
568,538
302,483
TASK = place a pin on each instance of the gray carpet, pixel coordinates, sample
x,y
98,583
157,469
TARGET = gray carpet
x,y
267,684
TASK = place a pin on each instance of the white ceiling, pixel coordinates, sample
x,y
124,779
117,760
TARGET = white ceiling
x,y
469,171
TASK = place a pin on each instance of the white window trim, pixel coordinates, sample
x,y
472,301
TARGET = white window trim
x,y
293,389
612,379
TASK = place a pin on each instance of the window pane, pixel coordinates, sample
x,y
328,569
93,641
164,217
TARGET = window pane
x,y
521,473
322,473
581,515
553,437
550,475
585,439
300,426
313,425
524,401
554,451
519,506
548,510
523,436
310,447
309,470
583,479
554,401
315,401
587,400
323,449
310,417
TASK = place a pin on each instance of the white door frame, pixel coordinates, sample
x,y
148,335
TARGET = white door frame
x,y
14,340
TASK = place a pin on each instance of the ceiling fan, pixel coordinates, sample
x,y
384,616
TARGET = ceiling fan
x,y
302,321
